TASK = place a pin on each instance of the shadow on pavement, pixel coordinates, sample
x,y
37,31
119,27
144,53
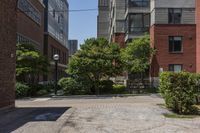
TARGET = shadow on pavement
x,y
11,120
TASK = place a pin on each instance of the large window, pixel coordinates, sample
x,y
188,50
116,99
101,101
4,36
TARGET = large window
x,y
175,44
30,10
175,67
175,16
138,23
138,3
25,40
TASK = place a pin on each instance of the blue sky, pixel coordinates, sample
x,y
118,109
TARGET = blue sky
x,y
82,25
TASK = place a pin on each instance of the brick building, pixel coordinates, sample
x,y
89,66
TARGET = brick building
x,y
198,35
173,35
172,28
56,35
30,25
8,30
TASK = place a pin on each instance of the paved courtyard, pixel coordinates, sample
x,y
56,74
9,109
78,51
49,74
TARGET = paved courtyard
x,y
138,114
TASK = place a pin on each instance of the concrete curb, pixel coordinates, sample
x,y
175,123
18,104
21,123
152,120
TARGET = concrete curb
x,y
103,96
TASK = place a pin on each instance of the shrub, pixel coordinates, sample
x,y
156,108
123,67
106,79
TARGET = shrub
x,y
179,91
71,86
106,86
40,89
119,89
21,90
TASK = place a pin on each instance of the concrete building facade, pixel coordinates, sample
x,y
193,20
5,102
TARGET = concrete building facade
x,y
73,47
172,28
137,18
8,23
56,35
103,19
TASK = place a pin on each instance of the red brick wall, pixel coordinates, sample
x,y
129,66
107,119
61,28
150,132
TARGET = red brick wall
x,y
120,39
7,52
162,59
29,28
198,33
49,43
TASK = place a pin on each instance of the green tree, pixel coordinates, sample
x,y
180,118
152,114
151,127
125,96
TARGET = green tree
x,y
30,63
96,60
136,56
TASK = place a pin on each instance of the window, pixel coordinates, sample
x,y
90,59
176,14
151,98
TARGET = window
x,y
138,23
175,67
175,44
175,16
139,3
25,40
54,13
30,10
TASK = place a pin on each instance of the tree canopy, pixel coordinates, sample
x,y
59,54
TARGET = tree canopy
x,y
136,56
96,60
29,62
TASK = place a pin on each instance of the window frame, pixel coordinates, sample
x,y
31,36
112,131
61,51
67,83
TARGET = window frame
x,y
173,17
144,3
172,65
144,28
173,51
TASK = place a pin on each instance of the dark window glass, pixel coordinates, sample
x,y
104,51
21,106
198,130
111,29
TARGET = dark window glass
x,y
139,3
54,13
175,67
138,23
175,44
175,16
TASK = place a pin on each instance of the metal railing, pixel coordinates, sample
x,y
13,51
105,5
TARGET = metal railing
x,y
139,3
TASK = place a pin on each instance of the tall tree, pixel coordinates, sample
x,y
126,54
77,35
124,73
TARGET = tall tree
x,y
96,60
136,56
30,63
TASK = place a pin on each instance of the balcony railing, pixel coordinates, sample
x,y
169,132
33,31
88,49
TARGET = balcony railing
x,y
138,30
139,3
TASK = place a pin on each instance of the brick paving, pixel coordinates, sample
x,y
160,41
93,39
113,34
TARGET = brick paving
x,y
138,114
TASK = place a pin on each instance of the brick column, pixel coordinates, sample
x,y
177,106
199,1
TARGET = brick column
x,y
198,34
7,52
120,39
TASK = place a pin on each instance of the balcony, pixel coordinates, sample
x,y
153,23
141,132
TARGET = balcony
x,y
137,30
139,3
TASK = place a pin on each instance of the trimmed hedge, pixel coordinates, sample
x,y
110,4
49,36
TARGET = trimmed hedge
x,y
71,86
119,89
27,90
180,91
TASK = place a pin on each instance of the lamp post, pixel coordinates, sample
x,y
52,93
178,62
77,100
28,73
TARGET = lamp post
x,y
56,59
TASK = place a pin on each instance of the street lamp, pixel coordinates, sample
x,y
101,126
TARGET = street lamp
x,y
56,59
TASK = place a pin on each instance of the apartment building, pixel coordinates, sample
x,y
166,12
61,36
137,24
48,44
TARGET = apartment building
x,y
128,19
173,35
30,23
198,35
137,18
117,22
172,28
8,29
56,34
103,19
73,47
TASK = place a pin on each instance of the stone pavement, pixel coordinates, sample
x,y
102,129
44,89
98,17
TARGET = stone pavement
x,y
138,114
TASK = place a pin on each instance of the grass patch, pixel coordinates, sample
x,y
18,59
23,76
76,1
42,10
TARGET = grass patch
x,y
177,116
